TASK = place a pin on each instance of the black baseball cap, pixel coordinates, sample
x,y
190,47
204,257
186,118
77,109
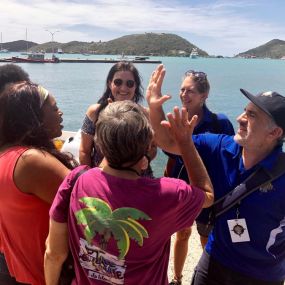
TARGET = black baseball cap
x,y
272,103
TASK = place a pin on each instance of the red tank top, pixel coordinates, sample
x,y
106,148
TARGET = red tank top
x,y
24,221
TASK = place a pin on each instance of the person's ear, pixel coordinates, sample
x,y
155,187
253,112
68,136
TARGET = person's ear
x,y
144,163
204,96
276,133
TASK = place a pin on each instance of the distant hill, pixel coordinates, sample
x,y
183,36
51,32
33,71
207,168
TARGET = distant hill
x,y
18,45
137,44
147,44
272,49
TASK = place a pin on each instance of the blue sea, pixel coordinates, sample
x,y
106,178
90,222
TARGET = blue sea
x,y
77,85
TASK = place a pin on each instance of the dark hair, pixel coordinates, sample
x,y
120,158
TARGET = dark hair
x,y
121,66
123,133
12,73
21,120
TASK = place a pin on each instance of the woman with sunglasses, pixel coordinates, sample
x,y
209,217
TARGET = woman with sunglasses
x,y
123,83
31,170
193,94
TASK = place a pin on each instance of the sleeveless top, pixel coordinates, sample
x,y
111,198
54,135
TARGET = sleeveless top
x,y
24,223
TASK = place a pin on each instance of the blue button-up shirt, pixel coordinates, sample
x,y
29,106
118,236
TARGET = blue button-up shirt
x,y
263,257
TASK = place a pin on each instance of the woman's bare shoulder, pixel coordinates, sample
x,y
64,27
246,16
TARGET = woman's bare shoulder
x,y
92,111
39,172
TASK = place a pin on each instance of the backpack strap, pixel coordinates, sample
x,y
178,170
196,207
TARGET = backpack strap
x,y
76,176
259,178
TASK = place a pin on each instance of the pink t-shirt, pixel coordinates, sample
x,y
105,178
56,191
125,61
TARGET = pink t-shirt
x,y
121,233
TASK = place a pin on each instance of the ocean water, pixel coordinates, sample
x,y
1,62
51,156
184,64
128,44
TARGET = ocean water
x,y
77,85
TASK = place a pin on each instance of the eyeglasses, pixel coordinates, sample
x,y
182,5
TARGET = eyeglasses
x,y
199,74
129,83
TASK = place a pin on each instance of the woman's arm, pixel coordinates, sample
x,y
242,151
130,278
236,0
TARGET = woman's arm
x,y
87,135
85,149
39,173
56,251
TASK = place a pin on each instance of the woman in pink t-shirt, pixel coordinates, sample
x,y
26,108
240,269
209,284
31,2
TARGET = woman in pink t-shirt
x,y
31,169
116,222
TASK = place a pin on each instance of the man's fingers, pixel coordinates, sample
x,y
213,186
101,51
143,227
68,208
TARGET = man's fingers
x,y
193,122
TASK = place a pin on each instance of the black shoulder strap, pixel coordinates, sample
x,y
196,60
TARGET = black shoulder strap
x,y
75,177
259,178
216,125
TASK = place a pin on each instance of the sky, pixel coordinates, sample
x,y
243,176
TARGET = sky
x,y
219,27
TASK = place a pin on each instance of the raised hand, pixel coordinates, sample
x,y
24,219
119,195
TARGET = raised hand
x,y
153,93
180,128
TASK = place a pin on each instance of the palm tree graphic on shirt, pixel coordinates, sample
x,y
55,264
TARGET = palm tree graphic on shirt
x,y
98,218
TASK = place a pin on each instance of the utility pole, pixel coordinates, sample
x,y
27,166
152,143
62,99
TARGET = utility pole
x,y
52,37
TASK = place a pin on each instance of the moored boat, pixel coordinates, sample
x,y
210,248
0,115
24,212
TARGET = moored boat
x,y
194,53
36,58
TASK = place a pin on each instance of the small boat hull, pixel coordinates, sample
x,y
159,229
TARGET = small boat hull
x,y
31,60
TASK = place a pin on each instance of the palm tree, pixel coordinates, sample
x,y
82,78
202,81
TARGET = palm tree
x,y
98,218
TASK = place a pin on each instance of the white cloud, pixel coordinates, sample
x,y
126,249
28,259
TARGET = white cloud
x,y
224,24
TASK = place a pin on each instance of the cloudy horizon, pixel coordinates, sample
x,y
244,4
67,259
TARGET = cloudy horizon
x,y
219,27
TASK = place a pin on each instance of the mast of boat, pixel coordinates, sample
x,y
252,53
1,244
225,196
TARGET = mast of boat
x,y
27,39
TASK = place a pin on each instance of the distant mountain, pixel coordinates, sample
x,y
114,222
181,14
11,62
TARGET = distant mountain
x,y
18,45
137,44
272,49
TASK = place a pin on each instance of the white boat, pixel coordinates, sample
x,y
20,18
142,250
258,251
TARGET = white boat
x,y
194,53
59,50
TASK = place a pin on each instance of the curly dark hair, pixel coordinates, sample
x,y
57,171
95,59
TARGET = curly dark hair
x,y
121,66
21,120
12,73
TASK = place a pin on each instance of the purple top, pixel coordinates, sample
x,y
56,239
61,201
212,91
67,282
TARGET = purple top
x,y
120,229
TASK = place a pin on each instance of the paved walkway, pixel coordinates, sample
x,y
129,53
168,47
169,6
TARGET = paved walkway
x,y
194,253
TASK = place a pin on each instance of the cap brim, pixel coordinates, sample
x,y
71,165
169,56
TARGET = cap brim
x,y
255,100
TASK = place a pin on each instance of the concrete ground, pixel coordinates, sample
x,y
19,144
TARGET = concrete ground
x,y
194,253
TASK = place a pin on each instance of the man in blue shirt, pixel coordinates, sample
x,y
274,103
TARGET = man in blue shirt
x,y
194,92
255,255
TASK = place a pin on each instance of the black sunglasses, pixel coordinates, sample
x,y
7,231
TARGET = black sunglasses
x,y
129,83
199,74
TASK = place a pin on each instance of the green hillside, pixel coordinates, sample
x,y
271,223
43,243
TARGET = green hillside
x,y
147,44
18,45
272,49
137,44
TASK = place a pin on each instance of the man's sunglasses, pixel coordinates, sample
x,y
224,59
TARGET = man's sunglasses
x,y
129,83
199,74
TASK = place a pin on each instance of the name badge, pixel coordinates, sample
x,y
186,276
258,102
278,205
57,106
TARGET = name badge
x,y
238,230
